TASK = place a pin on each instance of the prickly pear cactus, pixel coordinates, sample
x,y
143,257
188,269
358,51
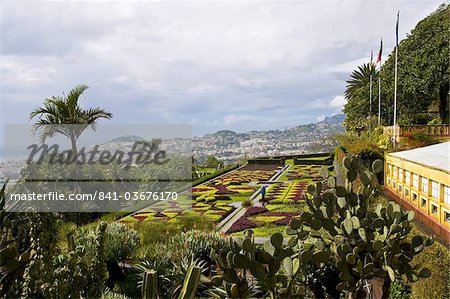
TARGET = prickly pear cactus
x,y
270,265
338,227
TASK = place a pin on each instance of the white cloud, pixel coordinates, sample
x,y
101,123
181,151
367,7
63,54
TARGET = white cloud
x,y
338,102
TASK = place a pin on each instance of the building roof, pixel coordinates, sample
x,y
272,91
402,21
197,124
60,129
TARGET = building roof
x,y
436,156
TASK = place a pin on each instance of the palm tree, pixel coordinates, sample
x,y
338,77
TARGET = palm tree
x,y
360,78
357,95
63,115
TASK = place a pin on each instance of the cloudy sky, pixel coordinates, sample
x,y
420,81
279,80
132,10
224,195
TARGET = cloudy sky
x,y
216,65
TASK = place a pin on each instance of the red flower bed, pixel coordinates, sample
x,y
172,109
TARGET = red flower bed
x,y
286,214
200,189
139,217
223,190
241,224
296,197
285,221
255,210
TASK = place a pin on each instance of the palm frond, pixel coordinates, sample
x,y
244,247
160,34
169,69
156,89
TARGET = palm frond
x,y
63,112
74,95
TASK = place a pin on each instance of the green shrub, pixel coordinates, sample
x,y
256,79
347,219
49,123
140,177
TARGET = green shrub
x,y
398,290
120,242
417,139
369,145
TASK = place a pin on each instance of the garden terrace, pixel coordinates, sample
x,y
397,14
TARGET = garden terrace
x,y
216,199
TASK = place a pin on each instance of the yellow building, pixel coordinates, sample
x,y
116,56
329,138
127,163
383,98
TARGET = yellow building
x,y
420,180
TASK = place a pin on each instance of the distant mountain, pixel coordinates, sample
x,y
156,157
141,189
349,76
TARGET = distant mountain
x,y
337,119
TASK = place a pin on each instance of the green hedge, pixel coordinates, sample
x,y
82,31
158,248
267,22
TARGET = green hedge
x,y
265,161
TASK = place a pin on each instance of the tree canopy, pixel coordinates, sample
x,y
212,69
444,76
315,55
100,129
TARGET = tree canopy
x,y
423,77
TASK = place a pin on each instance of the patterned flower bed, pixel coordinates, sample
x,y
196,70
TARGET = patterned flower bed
x,y
285,202
244,176
169,210
287,193
260,220
213,191
297,172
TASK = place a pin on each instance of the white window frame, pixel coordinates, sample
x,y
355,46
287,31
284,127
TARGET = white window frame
x,y
400,174
424,185
435,189
416,181
407,177
447,194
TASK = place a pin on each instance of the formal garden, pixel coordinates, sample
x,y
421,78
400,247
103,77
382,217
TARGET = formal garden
x,y
311,237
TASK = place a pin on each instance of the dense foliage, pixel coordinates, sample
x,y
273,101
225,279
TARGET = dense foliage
x,y
423,78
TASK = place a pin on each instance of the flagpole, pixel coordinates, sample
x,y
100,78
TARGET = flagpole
x,y
379,95
380,54
395,84
370,97
370,89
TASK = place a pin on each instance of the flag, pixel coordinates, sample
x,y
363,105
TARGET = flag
x,y
380,52
396,29
371,61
